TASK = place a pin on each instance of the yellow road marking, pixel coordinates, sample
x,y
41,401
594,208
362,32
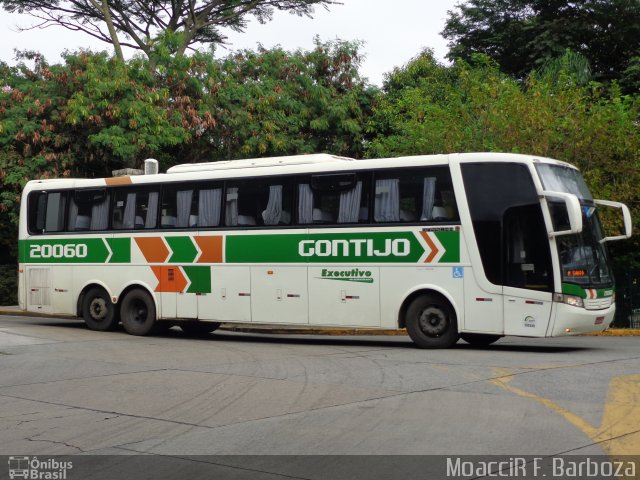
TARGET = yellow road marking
x,y
619,431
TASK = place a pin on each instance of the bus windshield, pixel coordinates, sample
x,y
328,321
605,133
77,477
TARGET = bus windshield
x,y
583,257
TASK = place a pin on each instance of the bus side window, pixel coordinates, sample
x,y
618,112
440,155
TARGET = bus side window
x,y
258,202
334,198
179,207
37,208
88,210
411,196
209,207
135,209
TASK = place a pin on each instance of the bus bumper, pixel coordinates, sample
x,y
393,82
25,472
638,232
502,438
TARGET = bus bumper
x,y
572,320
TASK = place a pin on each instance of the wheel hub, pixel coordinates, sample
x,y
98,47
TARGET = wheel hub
x,y
140,312
98,309
433,321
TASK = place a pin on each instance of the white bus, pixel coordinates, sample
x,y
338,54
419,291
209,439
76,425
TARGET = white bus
x,y
476,246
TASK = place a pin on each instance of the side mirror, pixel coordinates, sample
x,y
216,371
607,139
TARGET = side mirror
x,y
626,216
574,212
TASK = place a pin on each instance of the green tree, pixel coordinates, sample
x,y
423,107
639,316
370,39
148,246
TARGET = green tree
x,y
426,108
140,24
274,102
93,114
524,34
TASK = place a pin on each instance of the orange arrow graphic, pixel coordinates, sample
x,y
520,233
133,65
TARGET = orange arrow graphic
x,y
170,279
211,247
432,246
153,249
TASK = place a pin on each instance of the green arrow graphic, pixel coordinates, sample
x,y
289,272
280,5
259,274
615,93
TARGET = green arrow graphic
x,y
184,251
200,279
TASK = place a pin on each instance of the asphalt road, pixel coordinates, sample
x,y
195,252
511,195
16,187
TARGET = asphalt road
x,y
67,390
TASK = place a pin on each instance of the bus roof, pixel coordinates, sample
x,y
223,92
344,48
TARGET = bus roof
x,y
287,165
323,158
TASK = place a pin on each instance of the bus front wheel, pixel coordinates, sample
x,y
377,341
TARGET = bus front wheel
x,y
138,312
431,322
98,311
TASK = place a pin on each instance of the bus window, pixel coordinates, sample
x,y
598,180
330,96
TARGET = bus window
x,y
527,263
209,206
88,210
179,207
327,199
135,209
412,196
508,225
46,212
259,202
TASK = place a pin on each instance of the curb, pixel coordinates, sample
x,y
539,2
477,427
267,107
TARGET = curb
x,y
295,330
240,328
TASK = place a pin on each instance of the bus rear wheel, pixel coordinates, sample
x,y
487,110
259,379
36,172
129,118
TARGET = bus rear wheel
x,y
431,322
138,312
199,328
479,339
98,311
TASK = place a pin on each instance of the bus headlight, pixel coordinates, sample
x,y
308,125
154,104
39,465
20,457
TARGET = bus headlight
x,y
572,300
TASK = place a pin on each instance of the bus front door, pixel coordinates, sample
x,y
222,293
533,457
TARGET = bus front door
x,y
528,274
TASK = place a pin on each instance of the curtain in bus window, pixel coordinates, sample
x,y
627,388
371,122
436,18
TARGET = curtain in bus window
x,y
129,215
183,204
152,210
231,210
100,215
73,215
54,221
387,202
349,210
428,198
209,207
305,203
271,215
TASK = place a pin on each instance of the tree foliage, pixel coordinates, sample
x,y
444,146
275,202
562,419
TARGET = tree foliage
x,y
142,23
524,34
426,107
93,114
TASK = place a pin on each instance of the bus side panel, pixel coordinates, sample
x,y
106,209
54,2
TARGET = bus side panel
x,y
484,309
344,295
62,294
22,287
398,282
38,280
279,294
230,297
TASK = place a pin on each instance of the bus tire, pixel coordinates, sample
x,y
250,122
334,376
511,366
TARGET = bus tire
x,y
431,322
479,339
138,312
199,328
97,310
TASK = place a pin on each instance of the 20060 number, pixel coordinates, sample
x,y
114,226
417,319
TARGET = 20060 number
x,y
70,250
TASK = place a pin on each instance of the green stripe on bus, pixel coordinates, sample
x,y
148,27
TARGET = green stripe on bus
x,y
200,279
335,247
121,248
66,250
182,248
578,291
450,240
352,247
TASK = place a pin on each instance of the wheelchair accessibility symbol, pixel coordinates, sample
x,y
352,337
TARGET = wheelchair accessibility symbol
x,y
458,272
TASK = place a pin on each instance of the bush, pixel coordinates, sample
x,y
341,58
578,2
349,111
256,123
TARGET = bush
x,y
8,285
